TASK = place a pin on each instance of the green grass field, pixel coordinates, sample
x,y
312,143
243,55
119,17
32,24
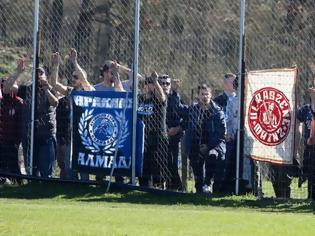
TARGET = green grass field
x,y
52,209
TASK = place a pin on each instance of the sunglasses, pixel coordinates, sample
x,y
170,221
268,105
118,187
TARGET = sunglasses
x,y
148,82
75,77
40,72
163,77
165,83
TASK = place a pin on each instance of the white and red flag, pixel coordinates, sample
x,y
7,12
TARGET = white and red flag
x,y
270,103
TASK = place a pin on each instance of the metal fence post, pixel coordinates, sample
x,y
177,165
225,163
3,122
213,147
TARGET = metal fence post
x,y
35,62
240,92
135,89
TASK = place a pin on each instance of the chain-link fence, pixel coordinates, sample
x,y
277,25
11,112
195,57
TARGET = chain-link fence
x,y
279,35
188,43
94,28
182,39
17,20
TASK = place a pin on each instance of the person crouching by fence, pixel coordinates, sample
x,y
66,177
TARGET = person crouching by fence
x,y
152,111
10,125
205,141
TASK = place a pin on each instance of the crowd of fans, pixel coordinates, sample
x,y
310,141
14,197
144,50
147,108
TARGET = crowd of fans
x,y
206,128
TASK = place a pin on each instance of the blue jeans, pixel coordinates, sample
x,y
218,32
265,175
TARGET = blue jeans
x,y
173,151
229,167
45,157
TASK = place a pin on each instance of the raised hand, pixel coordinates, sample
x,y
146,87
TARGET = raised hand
x,y
55,59
20,66
154,76
115,70
73,55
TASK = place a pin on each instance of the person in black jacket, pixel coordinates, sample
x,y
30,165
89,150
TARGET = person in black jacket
x,y
205,141
306,116
228,101
175,114
152,111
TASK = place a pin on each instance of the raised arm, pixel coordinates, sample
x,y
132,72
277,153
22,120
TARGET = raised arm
x,y
158,91
8,84
79,70
127,71
53,100
116,78
55,59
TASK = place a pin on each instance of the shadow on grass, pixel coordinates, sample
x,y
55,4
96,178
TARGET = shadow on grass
x,y
82,193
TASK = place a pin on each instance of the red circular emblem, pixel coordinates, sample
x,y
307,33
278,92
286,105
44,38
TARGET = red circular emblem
x,y
269,116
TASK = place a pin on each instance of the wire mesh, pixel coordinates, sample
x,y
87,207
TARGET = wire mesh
x,y
16,41
278,35
87,26
192,42
184,40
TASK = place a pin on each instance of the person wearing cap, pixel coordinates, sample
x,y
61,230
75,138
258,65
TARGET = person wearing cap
x,y
175,115
45,123
10,124
152,111
77,82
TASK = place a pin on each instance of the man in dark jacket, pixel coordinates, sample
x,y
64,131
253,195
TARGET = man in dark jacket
x,y
205,143
152,111
305,116
175,113
228,101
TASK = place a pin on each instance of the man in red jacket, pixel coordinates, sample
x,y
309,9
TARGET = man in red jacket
x,y
10,130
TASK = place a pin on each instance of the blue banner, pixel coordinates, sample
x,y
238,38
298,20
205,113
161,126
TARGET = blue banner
x,y
102,130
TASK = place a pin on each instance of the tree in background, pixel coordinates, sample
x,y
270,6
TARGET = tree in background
x,y
84,29
56,18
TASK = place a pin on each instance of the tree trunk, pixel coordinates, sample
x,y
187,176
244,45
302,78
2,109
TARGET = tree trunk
x,y
55,24
84,29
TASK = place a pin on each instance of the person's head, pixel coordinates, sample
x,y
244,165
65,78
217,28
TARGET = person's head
x,y
165,82
13,89
230,83
148,85
106,71
41,73
204,94
75,81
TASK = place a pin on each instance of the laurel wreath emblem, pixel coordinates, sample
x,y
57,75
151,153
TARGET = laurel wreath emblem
x,y
86,140
95,148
